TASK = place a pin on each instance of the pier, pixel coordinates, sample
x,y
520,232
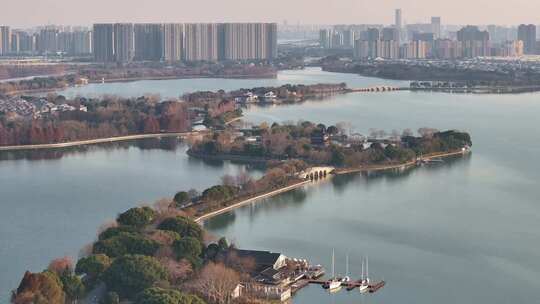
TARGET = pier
x,y
372,287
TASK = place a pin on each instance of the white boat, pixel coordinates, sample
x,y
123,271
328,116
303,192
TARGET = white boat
x,y
334,284
364,284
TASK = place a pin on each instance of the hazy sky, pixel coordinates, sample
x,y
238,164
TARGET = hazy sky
x,y
36,12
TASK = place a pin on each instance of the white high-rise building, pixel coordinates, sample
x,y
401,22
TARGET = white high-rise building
x,y
5,40
201,42
173,41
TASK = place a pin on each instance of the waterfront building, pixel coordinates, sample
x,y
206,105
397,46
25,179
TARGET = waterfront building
x,y
103,42
5,40
527,34
201,42
124,47
148,41
173,36
475,43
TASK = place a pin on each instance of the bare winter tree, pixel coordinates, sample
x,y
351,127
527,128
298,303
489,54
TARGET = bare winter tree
x,y
427,132
394,135
407,132
228,180
216,283
60,265
344,128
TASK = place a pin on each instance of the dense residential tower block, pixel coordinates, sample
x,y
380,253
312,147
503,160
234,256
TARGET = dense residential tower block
x,y
475,43
48,40
5,40
103,43
201,42
173,42
527,34
248,41
148,41
124,47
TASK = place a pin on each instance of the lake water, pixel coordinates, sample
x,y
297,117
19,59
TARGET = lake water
x,y
467,230
177,87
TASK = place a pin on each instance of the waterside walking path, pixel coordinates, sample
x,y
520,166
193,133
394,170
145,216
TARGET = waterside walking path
x,y
95,141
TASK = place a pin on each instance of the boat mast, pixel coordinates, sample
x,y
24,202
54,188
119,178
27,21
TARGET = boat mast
x,y
362,275
347,265
333,274
367,268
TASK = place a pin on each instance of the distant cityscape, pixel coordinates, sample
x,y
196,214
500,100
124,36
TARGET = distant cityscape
x,y
127,42
431,40
177,42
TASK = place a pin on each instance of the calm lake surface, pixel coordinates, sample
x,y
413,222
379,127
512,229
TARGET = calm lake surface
x,y
467,230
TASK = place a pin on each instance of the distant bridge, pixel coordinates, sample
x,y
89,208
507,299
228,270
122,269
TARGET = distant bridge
x,y
379,89
315,173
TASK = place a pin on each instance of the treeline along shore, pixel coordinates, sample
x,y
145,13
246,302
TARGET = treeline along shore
x,y
321,145
48,122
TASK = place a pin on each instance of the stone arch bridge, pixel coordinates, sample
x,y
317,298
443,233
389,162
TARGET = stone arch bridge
x,y
315,173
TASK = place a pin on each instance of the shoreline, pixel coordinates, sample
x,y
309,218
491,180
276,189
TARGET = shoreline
x,y
134,79
343,171
94,141
272,193
408,164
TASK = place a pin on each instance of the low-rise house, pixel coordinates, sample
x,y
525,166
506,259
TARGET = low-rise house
x,y
270,97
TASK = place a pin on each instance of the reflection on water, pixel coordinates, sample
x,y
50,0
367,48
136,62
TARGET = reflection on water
x,y
298,197
165,144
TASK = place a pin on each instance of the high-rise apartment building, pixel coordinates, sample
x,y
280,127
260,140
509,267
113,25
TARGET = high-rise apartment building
x,y
148,41
124,47
103,42
201,42
348,38
248,41
173,36
475,43
398,24
325,38
5,40
48,41
527,34
82,42
415,50
436,27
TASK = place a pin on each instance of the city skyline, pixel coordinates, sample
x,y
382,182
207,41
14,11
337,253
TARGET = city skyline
x,y
477,12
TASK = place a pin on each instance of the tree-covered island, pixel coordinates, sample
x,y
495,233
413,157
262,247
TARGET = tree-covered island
x,y
317,144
